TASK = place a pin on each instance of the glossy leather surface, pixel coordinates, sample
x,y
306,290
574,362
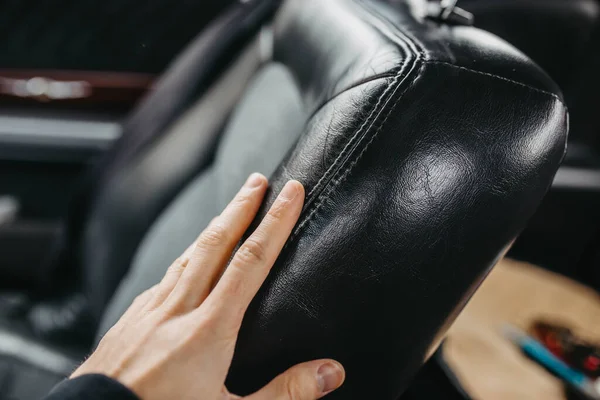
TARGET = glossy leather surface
x,y
428,150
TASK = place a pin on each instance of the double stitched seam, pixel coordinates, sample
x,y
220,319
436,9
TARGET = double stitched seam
x,y
374,18
323,188
409,51
342,174
408,37
401,35
391,74
348,147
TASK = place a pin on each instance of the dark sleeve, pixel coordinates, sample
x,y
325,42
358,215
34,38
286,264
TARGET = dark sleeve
x,y
91,387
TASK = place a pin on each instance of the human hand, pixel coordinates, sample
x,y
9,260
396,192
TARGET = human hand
x,y
177,339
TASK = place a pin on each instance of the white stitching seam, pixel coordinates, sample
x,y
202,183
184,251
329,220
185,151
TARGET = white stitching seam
x,y
535,89
407,37
363,126
323,196
334,182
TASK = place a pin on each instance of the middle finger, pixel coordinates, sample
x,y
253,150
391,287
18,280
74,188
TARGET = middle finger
x,y
214,246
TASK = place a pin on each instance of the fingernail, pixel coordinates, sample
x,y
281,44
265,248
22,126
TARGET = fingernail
x,y
254,180
330,377
290,190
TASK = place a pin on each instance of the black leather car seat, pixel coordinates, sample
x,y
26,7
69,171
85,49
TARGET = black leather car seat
x,y
562,37
424,148
118,200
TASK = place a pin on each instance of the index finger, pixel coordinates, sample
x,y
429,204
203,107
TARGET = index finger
x,y
253,261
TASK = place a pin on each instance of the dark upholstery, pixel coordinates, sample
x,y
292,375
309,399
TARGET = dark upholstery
x,y
428,150
554,33
119,199
424,150
100,35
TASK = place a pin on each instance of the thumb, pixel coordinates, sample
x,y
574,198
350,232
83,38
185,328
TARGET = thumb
x,y
307,381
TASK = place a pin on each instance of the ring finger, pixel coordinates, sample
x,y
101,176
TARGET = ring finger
x,y
214,246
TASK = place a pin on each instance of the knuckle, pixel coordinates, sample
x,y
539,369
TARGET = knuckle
x,y
171,309
176,267
235,287
215,235
278,209
242,199
205,323
252,252
211,324
144,296
293,389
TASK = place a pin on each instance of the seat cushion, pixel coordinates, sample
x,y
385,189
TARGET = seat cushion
x,y
264,126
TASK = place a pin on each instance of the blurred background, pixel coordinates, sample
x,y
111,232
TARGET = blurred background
x,y
71,71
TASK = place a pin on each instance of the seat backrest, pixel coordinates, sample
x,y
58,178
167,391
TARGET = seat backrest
x,y
120,198
424,148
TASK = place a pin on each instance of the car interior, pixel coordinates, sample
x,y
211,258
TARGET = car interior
x,y
450,153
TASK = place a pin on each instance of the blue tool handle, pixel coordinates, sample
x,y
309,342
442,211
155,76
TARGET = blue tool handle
x,y
541,354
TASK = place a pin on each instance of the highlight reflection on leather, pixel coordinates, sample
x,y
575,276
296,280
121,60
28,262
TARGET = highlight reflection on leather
x,y
429,148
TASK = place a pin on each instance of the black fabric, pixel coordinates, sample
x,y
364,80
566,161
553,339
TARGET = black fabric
x,y
554,33
91,387
435,381
105,221
109,224
100,35
583,93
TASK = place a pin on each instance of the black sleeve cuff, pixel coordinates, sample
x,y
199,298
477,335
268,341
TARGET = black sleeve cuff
x,y
91,387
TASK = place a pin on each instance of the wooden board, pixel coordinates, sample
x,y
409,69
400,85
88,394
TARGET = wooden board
x,y
488,365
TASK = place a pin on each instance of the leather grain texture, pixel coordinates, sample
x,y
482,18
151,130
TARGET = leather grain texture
x,y
425,151
428,150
